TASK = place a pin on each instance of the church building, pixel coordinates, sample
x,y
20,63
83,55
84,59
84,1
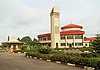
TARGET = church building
x,y
71,35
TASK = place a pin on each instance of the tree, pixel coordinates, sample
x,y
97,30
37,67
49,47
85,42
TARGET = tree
x,y
35,48
18,39
25,47
44,49
4,45
35,41
26,40
96,43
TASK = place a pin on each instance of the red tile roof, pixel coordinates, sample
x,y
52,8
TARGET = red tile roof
x,y
68,32
72,32
44,35
92,39
71,26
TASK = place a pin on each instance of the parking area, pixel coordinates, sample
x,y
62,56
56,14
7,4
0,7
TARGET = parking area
x,y
17,61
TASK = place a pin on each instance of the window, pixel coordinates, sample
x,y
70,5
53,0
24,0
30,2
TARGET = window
x,y
78,44
70,44
62,37
63,44
67,44
49,38
85,44
69,36
40,39
78,37
44,38
14,46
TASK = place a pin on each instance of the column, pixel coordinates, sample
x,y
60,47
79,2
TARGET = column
x,y
73,40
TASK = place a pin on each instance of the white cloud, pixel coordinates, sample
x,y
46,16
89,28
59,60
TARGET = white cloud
x,y
14,14
31,17
21,13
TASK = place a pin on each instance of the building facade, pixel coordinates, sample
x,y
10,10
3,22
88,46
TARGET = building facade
x,y
70,35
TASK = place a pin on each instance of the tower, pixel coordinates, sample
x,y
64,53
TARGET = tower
x,y
55,27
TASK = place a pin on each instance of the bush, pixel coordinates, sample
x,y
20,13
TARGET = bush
x,y
73,54
89,55
16,51
45,56
44,49
56,52
29,54
25,47
98,51
69,58
34,49
81,49
57,57
98,66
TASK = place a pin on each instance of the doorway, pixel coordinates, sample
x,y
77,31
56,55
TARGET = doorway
x,y
70,45
56,45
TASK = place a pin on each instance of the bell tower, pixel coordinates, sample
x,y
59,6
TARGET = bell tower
x,y
55,27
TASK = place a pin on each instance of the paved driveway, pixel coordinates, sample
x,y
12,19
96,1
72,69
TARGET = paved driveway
x,y
13,61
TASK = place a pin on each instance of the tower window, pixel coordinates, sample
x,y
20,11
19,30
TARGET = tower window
x,y
56,29
56,15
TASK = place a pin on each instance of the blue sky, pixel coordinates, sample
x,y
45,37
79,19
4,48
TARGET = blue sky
x,y
20,18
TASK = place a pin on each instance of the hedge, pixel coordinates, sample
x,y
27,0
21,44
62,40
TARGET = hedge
x,y
68,58
16,51
81,49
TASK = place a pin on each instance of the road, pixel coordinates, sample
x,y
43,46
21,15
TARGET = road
x,y
14,61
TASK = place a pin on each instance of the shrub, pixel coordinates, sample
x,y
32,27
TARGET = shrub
x,y
56,52
45,56
89,55
73,54
44,49
56,57
98,66
81,49
25,47
98,51
29,54
69,58
16,51
34,49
